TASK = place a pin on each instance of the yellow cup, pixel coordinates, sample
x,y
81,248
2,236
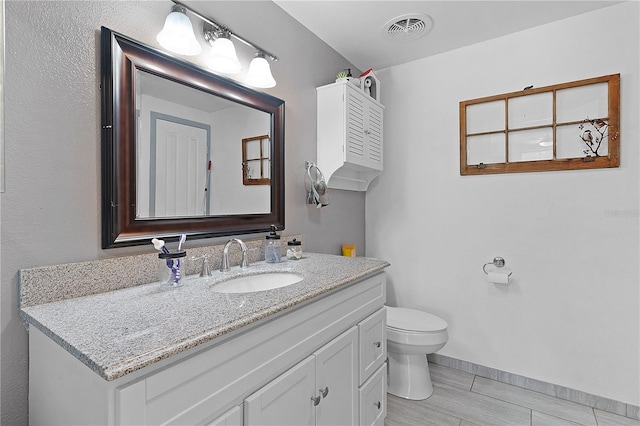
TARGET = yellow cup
x,y
349,250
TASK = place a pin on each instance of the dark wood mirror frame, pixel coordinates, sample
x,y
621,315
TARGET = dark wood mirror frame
x,y
121,57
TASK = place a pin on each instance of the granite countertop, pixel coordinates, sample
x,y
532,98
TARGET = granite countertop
x,y
121,331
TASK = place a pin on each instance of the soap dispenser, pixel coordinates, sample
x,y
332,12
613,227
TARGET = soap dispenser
x,y
272,248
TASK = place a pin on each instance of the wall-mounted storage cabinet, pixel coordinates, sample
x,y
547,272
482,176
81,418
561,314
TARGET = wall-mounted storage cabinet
x,y
349,136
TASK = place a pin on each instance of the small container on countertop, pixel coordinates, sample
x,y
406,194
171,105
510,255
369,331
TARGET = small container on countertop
x,y
349,250
172,267
294,249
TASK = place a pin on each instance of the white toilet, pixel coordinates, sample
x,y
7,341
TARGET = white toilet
x,y
411,335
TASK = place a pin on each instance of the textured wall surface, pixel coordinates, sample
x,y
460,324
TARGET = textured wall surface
x,y
51,208
571,315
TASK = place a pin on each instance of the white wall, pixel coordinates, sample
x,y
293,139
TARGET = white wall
x,y
51,208
228,194
571,316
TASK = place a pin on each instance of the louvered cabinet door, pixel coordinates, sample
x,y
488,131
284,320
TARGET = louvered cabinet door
x,y
356,129
373,133
364,130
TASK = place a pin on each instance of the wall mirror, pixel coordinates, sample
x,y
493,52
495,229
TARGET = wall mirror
x,y
172,159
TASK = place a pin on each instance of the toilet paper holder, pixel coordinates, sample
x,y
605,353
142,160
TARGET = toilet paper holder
x,y
497,262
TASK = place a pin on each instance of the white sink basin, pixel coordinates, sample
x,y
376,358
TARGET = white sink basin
x,y
260,282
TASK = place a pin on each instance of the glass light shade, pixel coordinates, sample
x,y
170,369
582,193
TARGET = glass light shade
x,y
223,57
177,35
259,74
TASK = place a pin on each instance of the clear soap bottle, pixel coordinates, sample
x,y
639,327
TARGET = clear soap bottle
x,y
272,248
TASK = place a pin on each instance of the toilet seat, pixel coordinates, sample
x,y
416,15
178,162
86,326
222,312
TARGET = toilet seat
x,y
414,321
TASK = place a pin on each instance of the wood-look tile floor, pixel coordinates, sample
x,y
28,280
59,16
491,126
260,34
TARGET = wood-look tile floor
x,y
464,399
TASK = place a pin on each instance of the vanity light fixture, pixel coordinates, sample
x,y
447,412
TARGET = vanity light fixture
x,y
177,34
223,59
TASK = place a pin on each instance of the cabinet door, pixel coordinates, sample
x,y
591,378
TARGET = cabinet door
x,y
287,400
373,133
355,123
337,380
363,130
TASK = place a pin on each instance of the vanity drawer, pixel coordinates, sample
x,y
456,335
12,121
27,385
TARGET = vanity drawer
x,y
372,336
373,398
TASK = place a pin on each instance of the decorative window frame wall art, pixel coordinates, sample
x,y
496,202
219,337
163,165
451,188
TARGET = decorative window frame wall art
x,y
568,126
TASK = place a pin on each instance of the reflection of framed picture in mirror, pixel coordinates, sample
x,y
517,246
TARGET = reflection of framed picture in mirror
x,y
256,161
566,126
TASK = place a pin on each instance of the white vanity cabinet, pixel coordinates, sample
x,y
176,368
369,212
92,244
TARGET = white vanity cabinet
x,y
349,136
263,373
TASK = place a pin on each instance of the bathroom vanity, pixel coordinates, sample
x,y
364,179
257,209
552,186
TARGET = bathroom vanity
x,y
313,352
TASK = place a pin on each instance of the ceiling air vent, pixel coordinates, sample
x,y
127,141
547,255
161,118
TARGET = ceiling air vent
x,y
408,27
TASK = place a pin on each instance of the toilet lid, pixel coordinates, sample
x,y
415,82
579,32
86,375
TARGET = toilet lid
x,y
414,320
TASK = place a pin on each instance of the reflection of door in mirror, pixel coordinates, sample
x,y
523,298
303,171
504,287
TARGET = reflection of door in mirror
x,y
188,162
256,160
179,161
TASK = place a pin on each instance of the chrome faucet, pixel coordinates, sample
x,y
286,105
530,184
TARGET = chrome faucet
x,y
225,254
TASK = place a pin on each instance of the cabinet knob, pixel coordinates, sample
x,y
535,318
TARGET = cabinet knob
x,y
376,344
378,404
324,392
315,400
367,132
